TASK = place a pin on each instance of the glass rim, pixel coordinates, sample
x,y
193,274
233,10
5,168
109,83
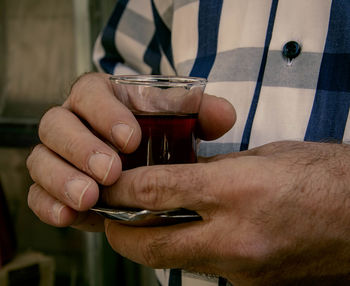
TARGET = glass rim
x,y
159,80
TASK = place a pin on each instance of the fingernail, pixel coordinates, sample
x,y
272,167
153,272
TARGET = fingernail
x,y
76,189
100,164
121,134
57,210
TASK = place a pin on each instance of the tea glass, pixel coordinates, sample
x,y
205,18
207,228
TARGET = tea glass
x,y
166,108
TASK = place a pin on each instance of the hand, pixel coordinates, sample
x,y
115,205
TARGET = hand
x,y
78,150
273,215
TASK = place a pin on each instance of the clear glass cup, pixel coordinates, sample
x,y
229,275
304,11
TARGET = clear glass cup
x,y
166,108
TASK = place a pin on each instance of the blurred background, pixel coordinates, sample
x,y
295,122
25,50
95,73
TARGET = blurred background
x,y
44,46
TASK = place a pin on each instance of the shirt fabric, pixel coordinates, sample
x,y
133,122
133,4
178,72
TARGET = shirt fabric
x,y
238,46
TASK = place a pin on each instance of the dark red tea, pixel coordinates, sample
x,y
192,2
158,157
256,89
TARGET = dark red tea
x,y
166,139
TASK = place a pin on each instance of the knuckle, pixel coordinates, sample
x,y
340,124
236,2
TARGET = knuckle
x,y
255,250
153,190
33,195
33,156
46,122
78,90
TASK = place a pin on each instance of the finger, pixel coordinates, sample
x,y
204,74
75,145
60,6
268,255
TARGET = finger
x,y
92,98
49,209
53,212
201,187
163,187
216,117
161,247
61,131
61,180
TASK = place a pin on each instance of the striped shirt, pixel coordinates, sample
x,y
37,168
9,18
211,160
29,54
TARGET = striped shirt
x,y
238,46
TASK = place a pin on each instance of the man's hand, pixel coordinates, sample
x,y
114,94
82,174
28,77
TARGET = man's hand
x,y
79,149
272,215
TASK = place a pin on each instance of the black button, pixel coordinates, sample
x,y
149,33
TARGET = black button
x,y
291,50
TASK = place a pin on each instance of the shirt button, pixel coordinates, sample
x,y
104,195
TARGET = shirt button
x,y
291,50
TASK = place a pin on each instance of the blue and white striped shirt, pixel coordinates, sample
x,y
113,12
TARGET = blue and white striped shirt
x,y
237,45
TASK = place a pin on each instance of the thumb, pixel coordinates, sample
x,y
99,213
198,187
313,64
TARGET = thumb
x,y
216,117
